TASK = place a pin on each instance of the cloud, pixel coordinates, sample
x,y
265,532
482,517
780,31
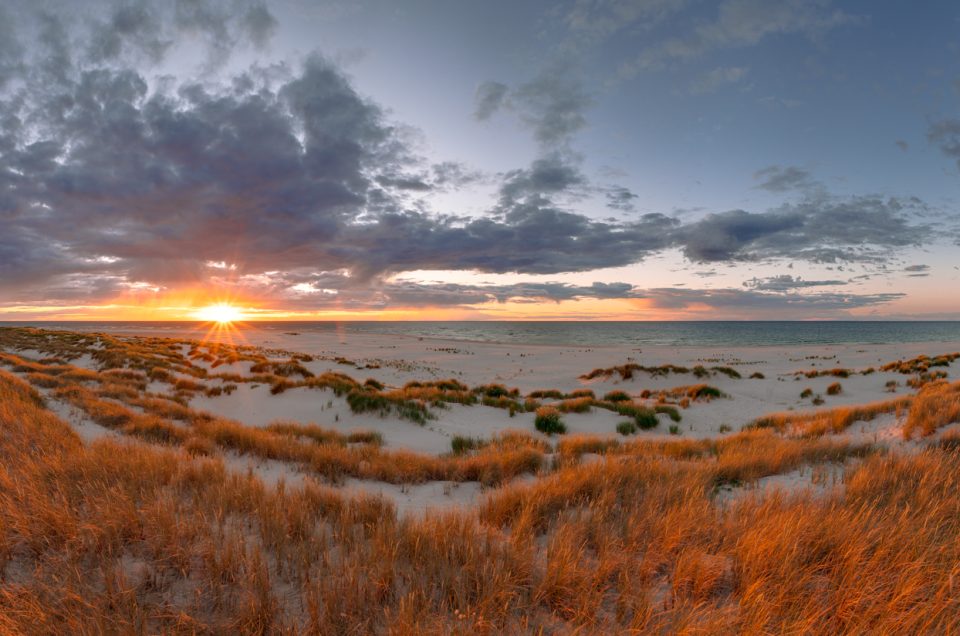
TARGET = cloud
x,y
718,78
114,181
488,99
407,293
598,19
783,179
552,104
741,302
946,135
787,283
917,271
620,198
740,23
820,228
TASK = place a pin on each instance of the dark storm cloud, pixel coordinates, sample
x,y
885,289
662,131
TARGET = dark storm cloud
x,y
786,283
533,238
109,175
11,50
149,30
550,175
820,229
783,179
405,293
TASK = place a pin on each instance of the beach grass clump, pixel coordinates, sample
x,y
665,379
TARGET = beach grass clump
x,y
835,389
496,391
920,364
547,420
461,444
935,406
577,445
617,396
576,405
730,372
669,411
627,427
548,394
835,420
926,377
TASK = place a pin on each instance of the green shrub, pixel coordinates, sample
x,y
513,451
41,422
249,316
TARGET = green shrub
x,y
671,411
646,419
547,393
548,421
627,427
462,444
617,396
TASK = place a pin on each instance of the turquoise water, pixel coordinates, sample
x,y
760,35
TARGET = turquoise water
x,y
712,334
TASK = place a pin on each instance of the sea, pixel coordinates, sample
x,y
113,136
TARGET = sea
x,y
587,333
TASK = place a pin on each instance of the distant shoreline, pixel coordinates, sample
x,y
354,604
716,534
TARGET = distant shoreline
x,y
706,334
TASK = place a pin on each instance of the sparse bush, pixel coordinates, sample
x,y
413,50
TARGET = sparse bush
x,y
627,427
617,396
808,392
552,394
674,429
835,389
670,411
548,421
756,375
576,405
462,445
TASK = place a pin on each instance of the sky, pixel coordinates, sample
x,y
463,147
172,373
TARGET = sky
x,y
586,159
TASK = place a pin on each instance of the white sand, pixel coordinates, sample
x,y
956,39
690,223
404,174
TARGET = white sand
x,y
528,367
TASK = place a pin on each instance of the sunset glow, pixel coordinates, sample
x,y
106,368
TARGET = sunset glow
x,y
221,313
651,161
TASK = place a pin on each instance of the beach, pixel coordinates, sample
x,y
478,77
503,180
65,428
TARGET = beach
x,y
750,383
275,481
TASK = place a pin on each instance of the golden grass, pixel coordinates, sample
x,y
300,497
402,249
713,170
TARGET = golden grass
x,y
935,406
834,420
120,537
136,539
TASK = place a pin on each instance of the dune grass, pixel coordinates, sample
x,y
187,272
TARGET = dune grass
x,y
139,538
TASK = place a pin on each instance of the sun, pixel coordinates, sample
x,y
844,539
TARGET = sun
x,y
221,313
